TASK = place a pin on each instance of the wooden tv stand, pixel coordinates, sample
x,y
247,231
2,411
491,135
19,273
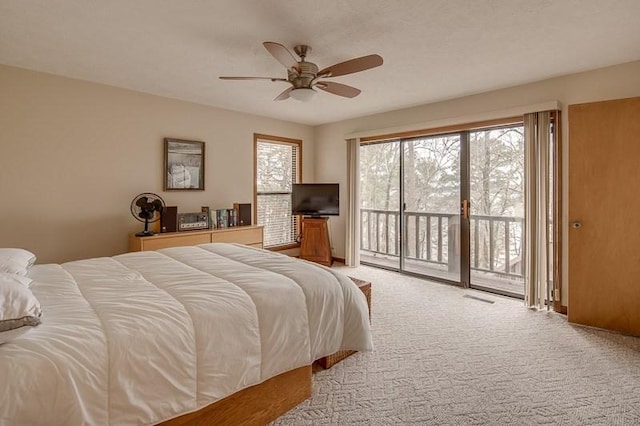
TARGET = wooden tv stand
x,y
315,245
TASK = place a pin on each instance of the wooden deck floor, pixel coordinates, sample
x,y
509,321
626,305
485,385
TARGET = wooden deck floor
x,y
480,280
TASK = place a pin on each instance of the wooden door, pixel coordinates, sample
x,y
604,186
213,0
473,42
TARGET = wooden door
x,y
604,203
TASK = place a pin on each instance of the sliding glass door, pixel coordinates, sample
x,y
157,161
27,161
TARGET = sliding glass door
x,y
431,202
449,207
497,209
410,193
380,204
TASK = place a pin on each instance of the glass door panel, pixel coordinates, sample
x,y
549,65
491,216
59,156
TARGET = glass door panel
x,y
497,209
380,204
431,194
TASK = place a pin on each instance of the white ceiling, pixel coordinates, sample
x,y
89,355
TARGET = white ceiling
x,y
432,49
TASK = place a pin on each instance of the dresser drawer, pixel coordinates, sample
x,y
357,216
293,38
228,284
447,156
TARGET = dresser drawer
x,y
249,236
177,241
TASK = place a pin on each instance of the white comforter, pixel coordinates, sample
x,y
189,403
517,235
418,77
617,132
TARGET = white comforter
x,y
143,337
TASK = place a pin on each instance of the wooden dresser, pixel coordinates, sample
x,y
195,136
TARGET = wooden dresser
x,y
249,235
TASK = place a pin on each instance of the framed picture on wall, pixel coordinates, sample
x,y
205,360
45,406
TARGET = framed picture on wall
x,y
183,165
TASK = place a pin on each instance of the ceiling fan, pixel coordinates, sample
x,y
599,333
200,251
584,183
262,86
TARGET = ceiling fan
x,y
304,76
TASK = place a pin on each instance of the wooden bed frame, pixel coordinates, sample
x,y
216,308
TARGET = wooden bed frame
x,y
256,405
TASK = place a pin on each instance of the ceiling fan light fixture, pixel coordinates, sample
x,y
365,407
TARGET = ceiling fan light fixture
x,y
302,94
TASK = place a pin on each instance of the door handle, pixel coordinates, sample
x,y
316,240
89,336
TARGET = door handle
x,y
464,211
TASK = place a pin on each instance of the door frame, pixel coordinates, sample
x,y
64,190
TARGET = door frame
x,y
463,130
465,208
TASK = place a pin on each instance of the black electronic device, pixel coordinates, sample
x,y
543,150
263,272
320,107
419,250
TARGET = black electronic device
x,y
244,213
315,199
207,211
169,219
147,207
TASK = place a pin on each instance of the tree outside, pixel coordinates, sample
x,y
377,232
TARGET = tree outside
x,y
431,182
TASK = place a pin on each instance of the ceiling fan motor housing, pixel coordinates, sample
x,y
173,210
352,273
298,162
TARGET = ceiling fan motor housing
x,y
304,78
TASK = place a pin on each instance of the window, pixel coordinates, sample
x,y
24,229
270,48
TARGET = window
x,y
277,168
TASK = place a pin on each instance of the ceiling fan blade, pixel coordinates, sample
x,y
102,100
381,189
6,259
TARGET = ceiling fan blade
x,y
253,78
284,95
282,54
351,66
338,89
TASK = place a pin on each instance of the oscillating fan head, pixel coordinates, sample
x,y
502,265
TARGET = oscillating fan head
x,y
148,208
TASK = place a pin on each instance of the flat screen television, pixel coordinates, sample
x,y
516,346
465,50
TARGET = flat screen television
x,y
315,199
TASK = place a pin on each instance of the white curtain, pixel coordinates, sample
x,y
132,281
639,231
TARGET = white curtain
x,y
352,246
538,140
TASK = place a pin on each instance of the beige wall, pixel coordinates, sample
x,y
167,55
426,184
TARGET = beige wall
x,y
74,154
615,82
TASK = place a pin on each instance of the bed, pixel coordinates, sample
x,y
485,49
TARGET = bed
x,y
150,337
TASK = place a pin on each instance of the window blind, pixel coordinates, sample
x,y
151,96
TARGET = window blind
x,y
277,169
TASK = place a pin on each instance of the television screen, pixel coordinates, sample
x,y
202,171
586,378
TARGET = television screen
x,y
315,199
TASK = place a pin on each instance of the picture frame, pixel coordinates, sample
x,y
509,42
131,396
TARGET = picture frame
x,y
183,165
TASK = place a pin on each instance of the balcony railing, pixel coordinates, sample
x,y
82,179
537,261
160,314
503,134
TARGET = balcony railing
x,y
496,241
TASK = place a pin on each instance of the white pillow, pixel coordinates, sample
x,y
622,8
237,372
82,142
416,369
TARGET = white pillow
x,y
16,261
19,309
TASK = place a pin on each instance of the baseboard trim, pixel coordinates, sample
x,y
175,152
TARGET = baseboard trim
x,y
339,259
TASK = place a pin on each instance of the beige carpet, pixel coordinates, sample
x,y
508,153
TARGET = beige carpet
x,y
445,359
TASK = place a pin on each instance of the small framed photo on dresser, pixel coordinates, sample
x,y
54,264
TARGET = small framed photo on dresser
x,y
183,165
